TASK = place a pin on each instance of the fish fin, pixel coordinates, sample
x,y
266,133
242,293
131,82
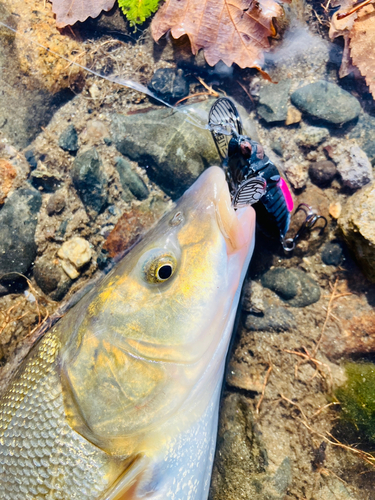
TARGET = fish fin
x,y
126,485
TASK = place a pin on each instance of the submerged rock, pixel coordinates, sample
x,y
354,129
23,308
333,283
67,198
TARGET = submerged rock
x,y
42,179
51,278
18,220
276,319
326,101
169,84
355,168
332,254
8,175
56,203
74,254
68,140
273,101
130,180
322,173
357,223
310,137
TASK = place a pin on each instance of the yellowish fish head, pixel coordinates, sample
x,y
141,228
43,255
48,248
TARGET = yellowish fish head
x,y
156,329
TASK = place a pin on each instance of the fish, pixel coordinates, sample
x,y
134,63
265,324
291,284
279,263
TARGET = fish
x,y
119,400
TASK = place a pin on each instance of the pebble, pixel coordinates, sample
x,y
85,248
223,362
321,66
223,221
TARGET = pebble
x,y
311,137
294,286
273,101
326,101
322,173
335,209
68,140
56,203
355,168
169,84
90,180
45,181
18,220
130,180
296,173
332,254
7,176
357,223
252,298
51,278
277,319
293,116
74,254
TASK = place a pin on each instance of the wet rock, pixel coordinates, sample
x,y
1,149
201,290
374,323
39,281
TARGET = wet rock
x,y
294,286
130,180
332,254
173,150
364,134
74,254
56,203
169,84
322,173
51,278
252,298
296,173
46,181
293,116
335,209
310,137
18,220
273,101
277,319
357,223
68,140
7,176
354,168
326,101
30,158
90,180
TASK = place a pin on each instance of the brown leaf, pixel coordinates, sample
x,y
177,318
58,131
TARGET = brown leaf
x,y
233,31
68,12
362,45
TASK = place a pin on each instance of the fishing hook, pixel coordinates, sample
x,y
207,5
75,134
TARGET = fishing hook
x,y
311,219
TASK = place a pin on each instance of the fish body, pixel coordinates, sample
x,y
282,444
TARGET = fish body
x,y
119,400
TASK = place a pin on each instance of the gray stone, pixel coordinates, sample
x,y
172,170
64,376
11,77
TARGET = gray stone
x,y
46,181
130,180
357,222
18,220
252,297
169,84
326,101
355,168
332,254
322,173
50,278
310,136
273,101
294,286
90,180
173,150
68,140
277,319
56,203
364,134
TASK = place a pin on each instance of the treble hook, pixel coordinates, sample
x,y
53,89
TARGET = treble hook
x,y
311,219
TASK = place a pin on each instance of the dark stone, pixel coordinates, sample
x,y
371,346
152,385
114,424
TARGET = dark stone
x,y
169,84
326,101
103,259
364,134
294,286
51,278
90,180
45,181
18,220
273,101
130,179
56,203
332,254
277,319
322,173
68,140
30,158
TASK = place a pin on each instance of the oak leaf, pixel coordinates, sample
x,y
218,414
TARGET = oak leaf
x,y
233,31
68,12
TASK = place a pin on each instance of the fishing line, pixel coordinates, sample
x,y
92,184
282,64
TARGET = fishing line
x,y
196,121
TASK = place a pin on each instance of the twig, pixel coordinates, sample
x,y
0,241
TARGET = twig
x,y
354,9
246,91
264,385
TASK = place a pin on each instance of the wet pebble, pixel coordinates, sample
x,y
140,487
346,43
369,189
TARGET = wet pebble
x,y
45,181
51,278
310,136
332,254
277,319
322,173
354,168
294,286
130,180
326,101
273,101
169,84
90,180
74,254
18,220
296,173
56,203
68,140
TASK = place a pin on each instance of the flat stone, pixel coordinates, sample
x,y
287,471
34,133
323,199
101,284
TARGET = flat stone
x,y
18,220
294,286
273,101
74,254
276,319
90,180
357,223
326,101
169,84
51,278
130,180
322,173
68,140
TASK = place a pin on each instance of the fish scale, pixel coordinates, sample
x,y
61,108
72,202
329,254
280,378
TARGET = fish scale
x,y
34,432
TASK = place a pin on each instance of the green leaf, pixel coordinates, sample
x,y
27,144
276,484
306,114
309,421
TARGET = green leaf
x,y
137,11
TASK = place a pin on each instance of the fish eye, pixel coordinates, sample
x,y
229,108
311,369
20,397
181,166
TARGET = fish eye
x,y
159,268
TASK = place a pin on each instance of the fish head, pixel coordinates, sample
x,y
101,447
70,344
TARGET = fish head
x,y
152,339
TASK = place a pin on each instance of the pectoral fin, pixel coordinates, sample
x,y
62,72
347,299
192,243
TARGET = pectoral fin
x,y
126,485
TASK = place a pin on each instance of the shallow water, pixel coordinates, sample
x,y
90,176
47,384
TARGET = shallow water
x,y
280,431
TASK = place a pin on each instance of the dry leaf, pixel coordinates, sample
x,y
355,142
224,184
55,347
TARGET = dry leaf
x,y
68,12
233,31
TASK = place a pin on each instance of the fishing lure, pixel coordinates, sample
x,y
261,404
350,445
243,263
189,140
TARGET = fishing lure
x,y
251,175
311,218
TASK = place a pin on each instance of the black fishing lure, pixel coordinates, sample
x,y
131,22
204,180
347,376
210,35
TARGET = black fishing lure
x,y
251,175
